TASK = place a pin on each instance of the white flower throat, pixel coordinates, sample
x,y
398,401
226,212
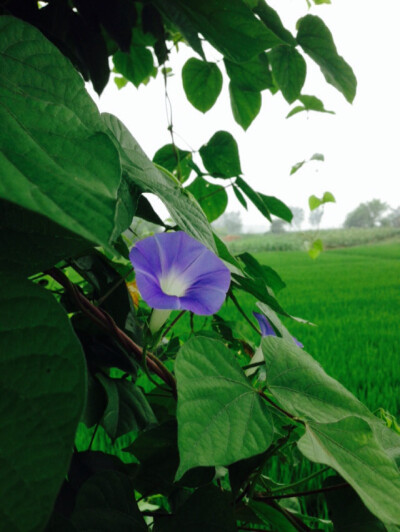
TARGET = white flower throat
x,y
174,284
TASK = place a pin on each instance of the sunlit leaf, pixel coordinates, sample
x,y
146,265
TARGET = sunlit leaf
x,y
221,155
316,40
202,82
221,418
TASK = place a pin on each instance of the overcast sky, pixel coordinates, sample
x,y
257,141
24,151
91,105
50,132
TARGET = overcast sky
x,y
360,142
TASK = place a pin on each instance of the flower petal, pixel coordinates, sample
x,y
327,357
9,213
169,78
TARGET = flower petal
x,y
175,271
265,326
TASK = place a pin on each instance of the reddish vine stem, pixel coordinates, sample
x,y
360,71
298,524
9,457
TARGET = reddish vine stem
x,y
104,320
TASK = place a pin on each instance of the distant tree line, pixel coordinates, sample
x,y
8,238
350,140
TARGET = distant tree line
x,y
374,213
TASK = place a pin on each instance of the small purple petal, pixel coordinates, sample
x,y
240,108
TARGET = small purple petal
x,y
267,329
265,326
299,344
175,271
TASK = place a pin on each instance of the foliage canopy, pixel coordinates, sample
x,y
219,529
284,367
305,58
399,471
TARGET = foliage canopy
x,y
105,425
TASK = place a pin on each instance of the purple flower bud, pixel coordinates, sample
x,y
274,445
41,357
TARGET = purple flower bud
x,y
174,271
267,329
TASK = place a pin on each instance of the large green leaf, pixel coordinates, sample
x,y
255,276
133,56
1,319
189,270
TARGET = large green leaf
x,y
302,386
253,75
289,69
230,26
304,389
208,508
220,155
42,389
245,105
127,408
174,160
106,502
56,158
183,208
202,82
350,447
254,197
272,20
30,243
136,66
277,207
347,511
221,418
213,199
316,40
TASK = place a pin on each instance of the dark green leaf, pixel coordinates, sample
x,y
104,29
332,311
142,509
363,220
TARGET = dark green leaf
x,y
253,75
317,157
224,253
231,420
341,432
272,20
213,199
72,173
136,66
208,508
289,69
106,502
347,511
254,197
30,243
277,207
91,48
220,155
219,22
105,279
245,105
183,208
157,451
350,447
127,407
257,270
117,18
171,157
240,197
182,21
310,103
202,82
272,516
42,389
316,40
258,290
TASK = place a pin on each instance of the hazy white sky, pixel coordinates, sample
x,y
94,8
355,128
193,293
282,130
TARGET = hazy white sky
x,y
360,142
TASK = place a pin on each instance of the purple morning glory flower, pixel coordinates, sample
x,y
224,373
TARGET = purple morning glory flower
x,y
176,272
267,329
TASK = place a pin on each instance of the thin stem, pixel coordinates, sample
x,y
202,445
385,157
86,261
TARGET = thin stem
x,y
301,481
265,498
291,416
93,436
255,365
177,318
236,303
114,287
